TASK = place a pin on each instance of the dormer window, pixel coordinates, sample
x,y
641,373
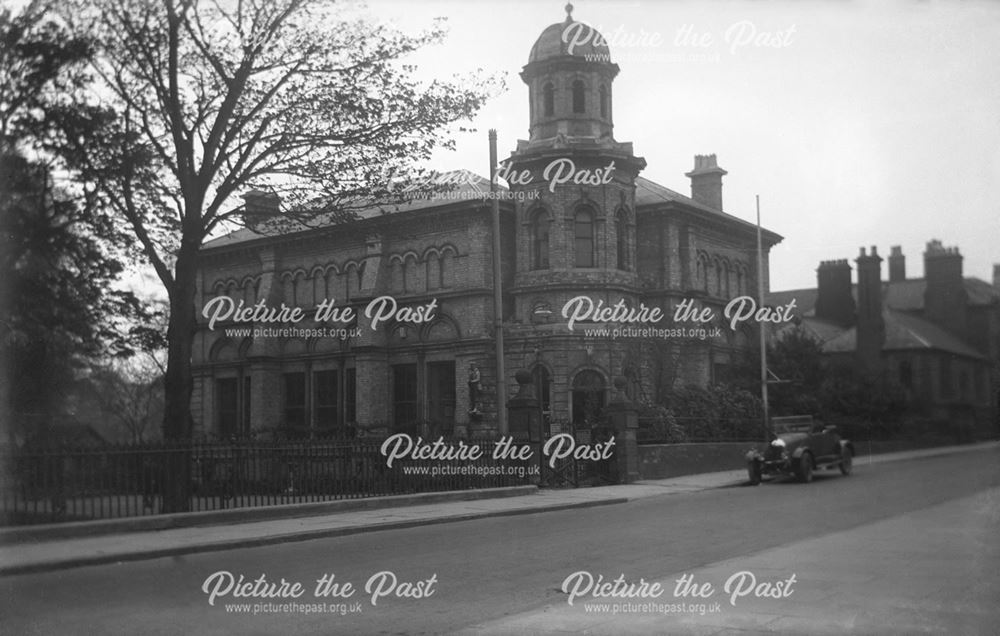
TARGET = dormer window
x,y
548,99
579,101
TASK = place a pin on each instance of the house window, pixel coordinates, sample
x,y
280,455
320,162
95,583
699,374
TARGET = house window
x,y
583,231
441,395
604,101
540,240
227,406
548,99
588,399
295,402
621,229
405,409
325,390
906,374
579,103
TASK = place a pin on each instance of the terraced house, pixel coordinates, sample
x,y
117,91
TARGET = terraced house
x,y
578,220
938,336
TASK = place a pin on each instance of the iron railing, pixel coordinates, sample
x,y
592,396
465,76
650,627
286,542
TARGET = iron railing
x,y
47,485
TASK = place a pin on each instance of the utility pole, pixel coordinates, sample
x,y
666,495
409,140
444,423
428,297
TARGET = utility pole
x,y
763,332
497,292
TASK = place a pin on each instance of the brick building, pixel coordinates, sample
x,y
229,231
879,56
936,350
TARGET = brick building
x,y
937,336
577,220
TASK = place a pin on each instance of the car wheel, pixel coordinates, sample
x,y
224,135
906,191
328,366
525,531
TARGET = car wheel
x,y
804,468
754,472
846,461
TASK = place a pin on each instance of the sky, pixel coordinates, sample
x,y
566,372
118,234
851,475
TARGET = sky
x,y
857,123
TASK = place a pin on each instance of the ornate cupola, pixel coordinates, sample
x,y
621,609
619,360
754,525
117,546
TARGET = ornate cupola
x,y
574,184
569,76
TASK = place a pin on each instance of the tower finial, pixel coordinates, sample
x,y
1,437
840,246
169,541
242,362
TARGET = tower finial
x,y
569,11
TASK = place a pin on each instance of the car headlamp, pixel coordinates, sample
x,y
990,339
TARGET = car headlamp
x,y
780,443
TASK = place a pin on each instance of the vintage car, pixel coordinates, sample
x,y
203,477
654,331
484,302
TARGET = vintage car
x,y
800,445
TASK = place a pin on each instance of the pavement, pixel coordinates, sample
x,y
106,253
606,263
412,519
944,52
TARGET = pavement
x,y
65,552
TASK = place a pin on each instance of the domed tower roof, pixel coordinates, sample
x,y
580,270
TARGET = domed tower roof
x,y
570,37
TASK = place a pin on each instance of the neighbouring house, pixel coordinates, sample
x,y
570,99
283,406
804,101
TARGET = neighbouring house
x,y
938,336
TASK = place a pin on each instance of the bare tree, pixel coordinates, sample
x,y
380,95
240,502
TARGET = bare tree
x,y
209,99
130,394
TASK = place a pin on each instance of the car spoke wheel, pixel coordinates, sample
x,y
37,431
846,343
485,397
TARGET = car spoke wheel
x,y
804,468
754,472
846,461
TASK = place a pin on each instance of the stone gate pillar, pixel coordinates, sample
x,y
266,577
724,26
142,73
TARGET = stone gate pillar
x,y
524,417
624,419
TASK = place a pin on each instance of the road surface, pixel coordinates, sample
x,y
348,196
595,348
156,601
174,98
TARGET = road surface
x,y
899,547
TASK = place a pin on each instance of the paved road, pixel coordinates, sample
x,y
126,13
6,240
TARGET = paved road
x,y
929,525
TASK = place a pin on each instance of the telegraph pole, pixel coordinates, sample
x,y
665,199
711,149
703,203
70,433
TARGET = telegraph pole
x,y
763,332
497,292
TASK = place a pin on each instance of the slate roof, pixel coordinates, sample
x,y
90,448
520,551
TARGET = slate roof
x,y
469,188
902,332
649,193
906,295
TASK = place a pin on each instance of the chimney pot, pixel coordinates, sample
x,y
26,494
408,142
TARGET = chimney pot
x,y
259,206
706,181
897,264
945,296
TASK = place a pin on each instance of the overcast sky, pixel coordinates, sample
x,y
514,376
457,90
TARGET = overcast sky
x,y
869,123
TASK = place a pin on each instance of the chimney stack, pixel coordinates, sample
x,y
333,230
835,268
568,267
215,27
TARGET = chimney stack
x,y
871,325
945,298
259,206
706,181
834,300
996,276
897,265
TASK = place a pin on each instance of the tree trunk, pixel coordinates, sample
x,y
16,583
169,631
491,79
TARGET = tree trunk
x,y
178,425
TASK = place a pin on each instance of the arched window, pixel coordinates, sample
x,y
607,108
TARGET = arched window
x,y
604,101
540,240
548,99
433,266
588,398
583,233
621,229
579,102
